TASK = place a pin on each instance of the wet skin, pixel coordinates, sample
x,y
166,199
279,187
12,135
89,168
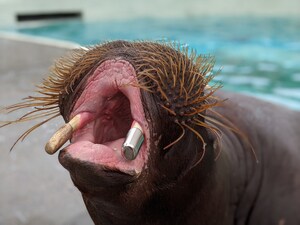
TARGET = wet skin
x,y
172,188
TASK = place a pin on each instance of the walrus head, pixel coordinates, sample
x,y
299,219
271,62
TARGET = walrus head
x,y
161,86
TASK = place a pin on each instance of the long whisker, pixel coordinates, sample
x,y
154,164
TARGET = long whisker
x,y
26,133
178,139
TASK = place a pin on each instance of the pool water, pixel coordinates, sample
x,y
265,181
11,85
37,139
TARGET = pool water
x,y
258,56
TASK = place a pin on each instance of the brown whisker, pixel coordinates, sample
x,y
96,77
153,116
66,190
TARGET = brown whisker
x,y
178,139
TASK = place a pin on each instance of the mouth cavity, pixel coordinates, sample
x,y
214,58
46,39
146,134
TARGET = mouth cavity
x,y
108,107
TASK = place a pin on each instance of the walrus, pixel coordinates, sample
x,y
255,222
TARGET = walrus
x,y
208,157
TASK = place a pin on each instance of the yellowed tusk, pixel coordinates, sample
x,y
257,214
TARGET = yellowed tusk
x,y
62,135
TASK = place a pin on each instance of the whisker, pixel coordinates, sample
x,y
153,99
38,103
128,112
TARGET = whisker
x,y
178,139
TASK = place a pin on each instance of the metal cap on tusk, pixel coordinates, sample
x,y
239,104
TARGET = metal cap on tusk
x,y
62,135
133,142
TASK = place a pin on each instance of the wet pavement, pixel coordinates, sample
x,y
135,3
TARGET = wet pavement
x,y
34,188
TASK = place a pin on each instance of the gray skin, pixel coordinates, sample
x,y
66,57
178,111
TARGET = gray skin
x,y
267,191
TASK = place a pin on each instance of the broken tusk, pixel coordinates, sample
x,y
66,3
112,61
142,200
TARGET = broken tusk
x,y
133,141
62,135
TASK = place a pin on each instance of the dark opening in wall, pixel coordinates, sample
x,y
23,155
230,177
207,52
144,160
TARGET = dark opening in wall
x,y
48,16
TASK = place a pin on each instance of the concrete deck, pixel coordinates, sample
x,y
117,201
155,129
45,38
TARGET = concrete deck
x,y
34,188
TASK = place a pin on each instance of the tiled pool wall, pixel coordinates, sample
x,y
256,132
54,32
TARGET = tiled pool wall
x,y
240,43
96,10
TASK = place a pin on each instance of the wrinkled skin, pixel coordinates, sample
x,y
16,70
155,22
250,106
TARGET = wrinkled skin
x,y
173,189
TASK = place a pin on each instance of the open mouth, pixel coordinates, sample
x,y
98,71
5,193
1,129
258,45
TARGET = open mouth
x,y
108,106
174,94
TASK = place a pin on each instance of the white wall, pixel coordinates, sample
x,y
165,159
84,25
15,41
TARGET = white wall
x,y
123,9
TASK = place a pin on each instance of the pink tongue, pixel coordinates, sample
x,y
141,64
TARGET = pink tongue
x,y
97,153
108,154
116,146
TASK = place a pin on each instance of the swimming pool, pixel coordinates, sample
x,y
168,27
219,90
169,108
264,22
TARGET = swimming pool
x,y
258,56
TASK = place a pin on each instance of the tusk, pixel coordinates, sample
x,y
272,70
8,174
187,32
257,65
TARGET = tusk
x,y
61,136
133,141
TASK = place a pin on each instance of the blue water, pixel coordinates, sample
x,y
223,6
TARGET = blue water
x,y
258,56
